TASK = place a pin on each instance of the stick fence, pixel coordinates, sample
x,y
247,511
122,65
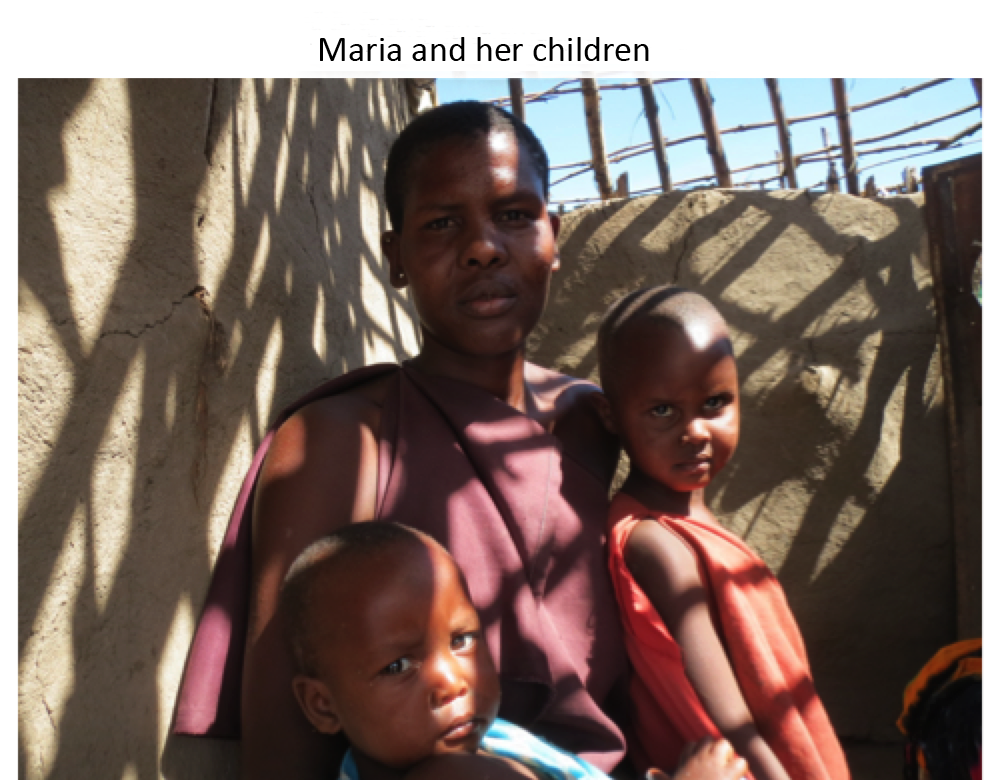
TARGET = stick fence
x,y
785,163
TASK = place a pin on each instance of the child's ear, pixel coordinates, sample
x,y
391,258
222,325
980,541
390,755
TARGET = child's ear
x,y
390,243
315,701
602,406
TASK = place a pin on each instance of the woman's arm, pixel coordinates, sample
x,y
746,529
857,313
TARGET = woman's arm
x,y
666,569
463,766
320,474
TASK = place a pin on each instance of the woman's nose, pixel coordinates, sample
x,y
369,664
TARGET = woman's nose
x,y
484,248
447,680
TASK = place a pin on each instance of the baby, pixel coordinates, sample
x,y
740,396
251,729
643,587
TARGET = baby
x,y
715,648
389,652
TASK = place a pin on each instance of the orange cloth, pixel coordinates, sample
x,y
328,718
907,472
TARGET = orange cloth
x,y
759,634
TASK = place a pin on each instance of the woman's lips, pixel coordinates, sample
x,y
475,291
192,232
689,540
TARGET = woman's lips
x,y
489,307
488,298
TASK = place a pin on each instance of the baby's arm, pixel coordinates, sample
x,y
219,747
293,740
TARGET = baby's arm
x,y
666,570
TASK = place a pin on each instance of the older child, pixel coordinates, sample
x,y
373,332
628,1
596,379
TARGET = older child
x,y
389,650
714,644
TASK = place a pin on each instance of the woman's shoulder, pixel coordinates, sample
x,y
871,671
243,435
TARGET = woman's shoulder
x,y
341,428
564,402
559,391
359,403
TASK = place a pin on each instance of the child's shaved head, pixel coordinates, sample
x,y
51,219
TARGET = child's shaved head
x,y
388,646
331,554
666,306
464,119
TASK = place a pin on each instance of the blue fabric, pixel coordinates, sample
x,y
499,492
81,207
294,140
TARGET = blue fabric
x,y
508,740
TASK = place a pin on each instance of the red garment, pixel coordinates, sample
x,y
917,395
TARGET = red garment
x,y
761,639
526,525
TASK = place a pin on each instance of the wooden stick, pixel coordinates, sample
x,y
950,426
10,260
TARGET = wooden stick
x,y
516,99
832,179
846,139
623,188
783,133
776,162
978,86
547,94
917,126
634,150
821,154
910,183
652,114
959,136
594,124
715,150
563,88
905,92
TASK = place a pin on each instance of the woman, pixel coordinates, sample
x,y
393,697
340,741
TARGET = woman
x,y
503,462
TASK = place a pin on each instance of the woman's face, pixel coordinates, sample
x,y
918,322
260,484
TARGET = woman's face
x,y
476,245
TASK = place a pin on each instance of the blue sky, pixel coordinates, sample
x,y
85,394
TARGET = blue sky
x,y
560,124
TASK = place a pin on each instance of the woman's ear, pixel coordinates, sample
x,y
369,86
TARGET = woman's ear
x,y
556,229
316,703
602,406
390,243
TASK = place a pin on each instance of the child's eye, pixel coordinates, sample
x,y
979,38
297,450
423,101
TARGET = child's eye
x,y
464,641
400,666
514,215
717,402
662,410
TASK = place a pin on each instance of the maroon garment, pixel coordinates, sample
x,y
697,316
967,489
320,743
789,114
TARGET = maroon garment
x,y
526,524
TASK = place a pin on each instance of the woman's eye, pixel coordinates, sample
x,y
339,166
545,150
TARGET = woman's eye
x,y
400,666
662,410
514,215
464,641
439,224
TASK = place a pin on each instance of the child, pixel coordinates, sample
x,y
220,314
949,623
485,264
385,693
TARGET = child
x,y
389,651
942,716
709,632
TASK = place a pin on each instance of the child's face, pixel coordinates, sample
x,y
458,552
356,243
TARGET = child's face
x,y
676,404
476,245
402,666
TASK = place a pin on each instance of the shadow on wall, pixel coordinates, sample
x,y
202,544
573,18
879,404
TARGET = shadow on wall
x,y
841,478
193,255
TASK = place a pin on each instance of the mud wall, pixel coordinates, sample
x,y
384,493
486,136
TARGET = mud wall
x,y
192,256
841,477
